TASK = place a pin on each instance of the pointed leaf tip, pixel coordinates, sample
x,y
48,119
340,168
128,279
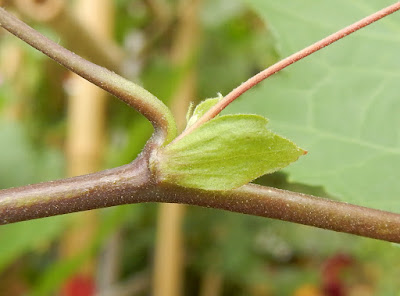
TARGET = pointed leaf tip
x,y
201,109
225,153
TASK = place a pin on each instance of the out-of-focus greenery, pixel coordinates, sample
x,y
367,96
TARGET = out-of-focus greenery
x,y
342,107
253,256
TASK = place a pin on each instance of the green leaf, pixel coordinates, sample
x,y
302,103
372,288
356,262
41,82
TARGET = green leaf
x,y
224,153
342,103
201,109
20,238
18,152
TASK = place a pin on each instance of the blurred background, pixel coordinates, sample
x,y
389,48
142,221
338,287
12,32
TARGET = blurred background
x,y
54,125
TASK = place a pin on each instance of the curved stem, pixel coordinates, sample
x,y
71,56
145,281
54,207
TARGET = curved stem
x,y
132,94
234,94
132,183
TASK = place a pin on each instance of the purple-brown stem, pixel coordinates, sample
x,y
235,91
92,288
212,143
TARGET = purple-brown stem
x,y
133,183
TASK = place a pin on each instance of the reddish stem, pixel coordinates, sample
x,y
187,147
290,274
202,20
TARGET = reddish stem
x,y
234,94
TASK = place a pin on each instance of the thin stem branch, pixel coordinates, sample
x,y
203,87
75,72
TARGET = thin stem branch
x,y
132,183
132,94
234,94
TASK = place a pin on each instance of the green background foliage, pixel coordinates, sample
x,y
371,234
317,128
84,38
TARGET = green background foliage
x,y
353,142
342,104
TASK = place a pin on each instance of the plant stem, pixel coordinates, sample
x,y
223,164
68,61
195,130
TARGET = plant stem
x,y
132,94
234,94
295,207
121,185
132,183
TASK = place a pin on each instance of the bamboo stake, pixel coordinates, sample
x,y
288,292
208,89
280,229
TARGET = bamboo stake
x,y
11,59
211,284
76,31
86,128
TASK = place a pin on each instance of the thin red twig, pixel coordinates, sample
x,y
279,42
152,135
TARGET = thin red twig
x,y
234,94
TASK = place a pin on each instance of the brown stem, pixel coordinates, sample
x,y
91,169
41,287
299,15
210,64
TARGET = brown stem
x,y
132,183
295,207
121,185
234,94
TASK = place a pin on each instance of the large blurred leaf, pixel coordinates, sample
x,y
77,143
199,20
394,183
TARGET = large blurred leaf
x,y
341,104
19,238
20,162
